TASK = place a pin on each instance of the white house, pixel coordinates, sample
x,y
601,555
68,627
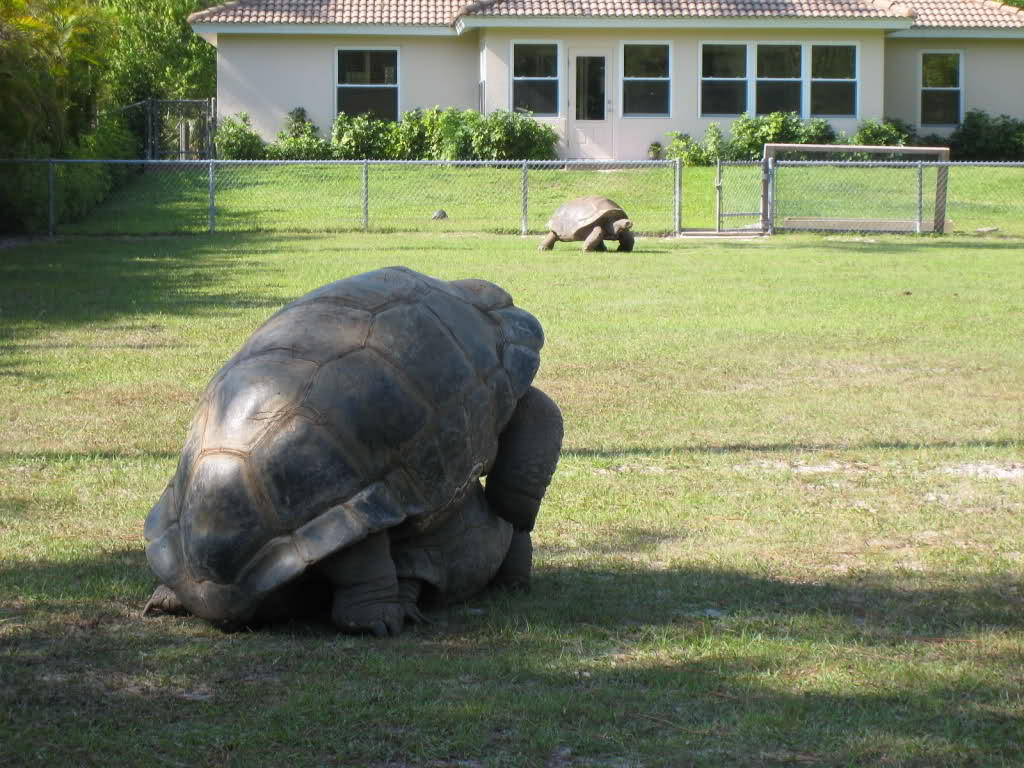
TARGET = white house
x,y
614,75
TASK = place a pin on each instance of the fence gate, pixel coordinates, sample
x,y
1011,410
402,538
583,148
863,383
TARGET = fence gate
x,y
174,129
739,197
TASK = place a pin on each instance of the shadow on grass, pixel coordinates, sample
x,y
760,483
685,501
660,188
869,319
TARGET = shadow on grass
x,y
663,451
80,281
572,665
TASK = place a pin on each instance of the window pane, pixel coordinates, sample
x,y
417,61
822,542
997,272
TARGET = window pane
x,y
367,67
721,98
777,97
834,61
778,61
940,107
537,96
833,98
379,102
539,60
941,70
646,97
724,61
590,87
646,60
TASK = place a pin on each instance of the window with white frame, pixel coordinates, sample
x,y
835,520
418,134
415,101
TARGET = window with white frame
x,y
811,79
646,80
723,86
833,80
941,84
368,82
779,79
535,78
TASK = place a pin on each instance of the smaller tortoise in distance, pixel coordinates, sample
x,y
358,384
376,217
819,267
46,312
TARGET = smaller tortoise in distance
x,y
593,220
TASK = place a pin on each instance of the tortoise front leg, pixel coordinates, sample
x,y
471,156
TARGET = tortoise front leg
x,y
594,239
517,565
548,242
528,452
365,585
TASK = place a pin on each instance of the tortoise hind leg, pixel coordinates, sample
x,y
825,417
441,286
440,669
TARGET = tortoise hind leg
x,y
365,585
164,601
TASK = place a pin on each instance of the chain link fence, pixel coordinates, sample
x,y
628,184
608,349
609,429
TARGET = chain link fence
x,y
870,196
160,197
136,197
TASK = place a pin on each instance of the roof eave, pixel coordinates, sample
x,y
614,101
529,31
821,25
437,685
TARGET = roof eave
x,y
989,33
680,22
209,30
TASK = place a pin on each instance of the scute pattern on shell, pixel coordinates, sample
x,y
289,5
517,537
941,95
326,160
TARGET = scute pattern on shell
x,y
575,219
368,402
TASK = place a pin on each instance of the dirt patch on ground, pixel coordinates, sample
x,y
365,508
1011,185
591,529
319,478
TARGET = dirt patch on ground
x,y
989,470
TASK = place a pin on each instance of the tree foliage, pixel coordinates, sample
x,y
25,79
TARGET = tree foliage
x,y
156,54
51,70
64,61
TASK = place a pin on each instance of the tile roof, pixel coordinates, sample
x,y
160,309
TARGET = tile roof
x,y
984,14
957,14
419,12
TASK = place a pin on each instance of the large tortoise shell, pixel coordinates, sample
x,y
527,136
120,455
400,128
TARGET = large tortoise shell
x,y
369,402
576,218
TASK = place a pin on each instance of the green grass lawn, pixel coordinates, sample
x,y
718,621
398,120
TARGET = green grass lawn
x,y
786,528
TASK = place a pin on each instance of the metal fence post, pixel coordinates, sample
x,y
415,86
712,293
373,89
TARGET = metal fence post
x,y
366,195
677,197
149,129
773,169
51,188
920,198
718,195
765,191
941,187
523,225
213,200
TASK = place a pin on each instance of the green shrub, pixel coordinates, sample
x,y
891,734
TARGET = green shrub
x,y
81,187
299,140
361,138
503,135
884,133
448,134
691,152
749,134
981,137
236,139
25,197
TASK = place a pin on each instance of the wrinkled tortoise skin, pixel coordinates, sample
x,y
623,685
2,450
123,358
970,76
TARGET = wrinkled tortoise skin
x,y
373,403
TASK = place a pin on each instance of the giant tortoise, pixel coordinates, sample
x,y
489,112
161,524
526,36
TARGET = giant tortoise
x,y
593,220
339,453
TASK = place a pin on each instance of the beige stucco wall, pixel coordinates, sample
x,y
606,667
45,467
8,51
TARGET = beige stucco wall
x,y
992,71
268,75
631,136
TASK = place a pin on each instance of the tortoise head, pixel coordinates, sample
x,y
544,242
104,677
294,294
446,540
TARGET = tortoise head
x,y
621,225
521,340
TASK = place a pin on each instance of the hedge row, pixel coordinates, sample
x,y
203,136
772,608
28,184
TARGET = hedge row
x,y
432,134
979,137
24,195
